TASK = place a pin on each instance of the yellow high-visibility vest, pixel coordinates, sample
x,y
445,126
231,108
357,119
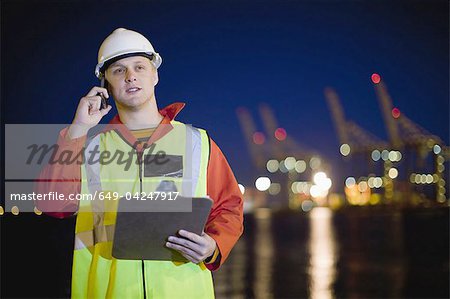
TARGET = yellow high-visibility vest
x,y
96,274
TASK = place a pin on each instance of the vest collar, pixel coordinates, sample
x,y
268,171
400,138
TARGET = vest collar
x,y
169,112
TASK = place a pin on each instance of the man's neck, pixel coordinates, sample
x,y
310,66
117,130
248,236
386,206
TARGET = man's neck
x,y
146,116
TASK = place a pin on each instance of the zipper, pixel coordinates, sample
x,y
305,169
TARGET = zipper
x,y
139,157
143,278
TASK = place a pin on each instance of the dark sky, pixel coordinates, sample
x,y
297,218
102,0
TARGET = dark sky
x,y
218,56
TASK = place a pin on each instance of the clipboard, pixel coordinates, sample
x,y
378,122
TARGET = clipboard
x,y
142,236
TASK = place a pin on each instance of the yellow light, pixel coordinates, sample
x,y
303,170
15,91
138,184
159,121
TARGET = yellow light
x,y
429,179
393,173
417,178
345,149
272,166
262,183
15,210
362,186
412,178
300,166
423,178
440,168
37,212
440,159
2,211
242,188
435,178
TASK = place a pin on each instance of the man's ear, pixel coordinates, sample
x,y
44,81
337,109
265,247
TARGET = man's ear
x,y
156,77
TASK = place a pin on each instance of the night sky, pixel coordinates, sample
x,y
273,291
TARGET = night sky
x,y
218,56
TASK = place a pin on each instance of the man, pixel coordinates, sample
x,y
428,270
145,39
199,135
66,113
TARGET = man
x,y
128,63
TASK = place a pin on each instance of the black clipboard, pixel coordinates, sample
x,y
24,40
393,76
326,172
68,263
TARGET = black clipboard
x,y
143,235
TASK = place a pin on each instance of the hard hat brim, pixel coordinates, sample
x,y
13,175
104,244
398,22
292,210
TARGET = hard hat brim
x,y
101,68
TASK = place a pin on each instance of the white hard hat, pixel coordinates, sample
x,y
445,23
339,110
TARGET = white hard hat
x,y
123,43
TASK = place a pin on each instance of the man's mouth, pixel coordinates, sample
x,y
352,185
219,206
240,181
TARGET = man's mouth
x,y
133,89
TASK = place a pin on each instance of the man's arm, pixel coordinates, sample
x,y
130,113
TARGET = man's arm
x,y
62,178
66,178
225,222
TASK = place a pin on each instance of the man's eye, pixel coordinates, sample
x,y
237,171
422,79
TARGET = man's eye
x,y
118,71
140,67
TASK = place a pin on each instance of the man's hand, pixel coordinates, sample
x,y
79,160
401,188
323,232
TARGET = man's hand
x,y
192,246
88,112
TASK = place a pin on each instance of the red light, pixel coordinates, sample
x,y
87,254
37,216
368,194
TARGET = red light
x,y
375,78
395,113
258,138
280,134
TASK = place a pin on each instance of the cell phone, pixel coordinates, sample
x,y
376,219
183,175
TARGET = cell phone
x,y
104,104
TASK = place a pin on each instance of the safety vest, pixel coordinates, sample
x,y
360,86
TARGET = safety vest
x,y
96,273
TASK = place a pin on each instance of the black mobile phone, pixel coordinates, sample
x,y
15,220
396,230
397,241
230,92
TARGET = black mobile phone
x,y
104,104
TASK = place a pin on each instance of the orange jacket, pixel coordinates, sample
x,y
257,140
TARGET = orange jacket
x,y
225,222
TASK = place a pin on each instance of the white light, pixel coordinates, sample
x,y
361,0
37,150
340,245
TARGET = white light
x,y
302,187
350,181
314,163
318,177
326,184
393,173
377,182
282,166
307,205
242,188
289,163
423,178
436,149
376,155
300,166
272,166
370,182
392,156
262,183
345,149
399,156
429,178
385,155
274,188
294,187
315,191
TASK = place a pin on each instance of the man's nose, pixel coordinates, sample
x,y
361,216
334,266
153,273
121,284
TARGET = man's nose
x,y
130,76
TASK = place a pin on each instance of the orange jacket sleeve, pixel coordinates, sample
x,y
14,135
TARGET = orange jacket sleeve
x,y
64,178
225,222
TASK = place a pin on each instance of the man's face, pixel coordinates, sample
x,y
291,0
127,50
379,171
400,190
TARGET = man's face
x,y
132,82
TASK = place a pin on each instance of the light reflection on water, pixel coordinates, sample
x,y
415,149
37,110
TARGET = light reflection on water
x,y
352,253
323,254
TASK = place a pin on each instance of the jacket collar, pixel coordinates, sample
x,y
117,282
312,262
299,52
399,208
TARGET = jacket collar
x,y
169,112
